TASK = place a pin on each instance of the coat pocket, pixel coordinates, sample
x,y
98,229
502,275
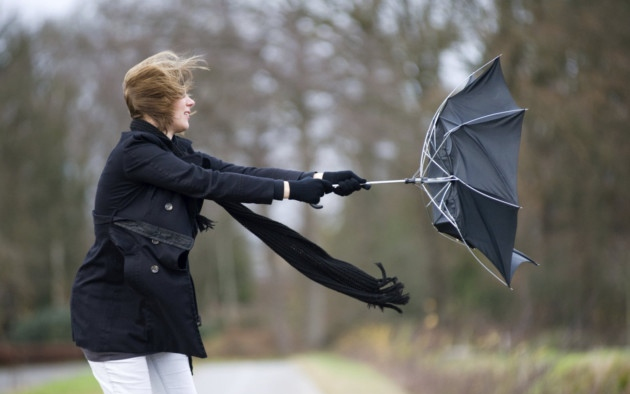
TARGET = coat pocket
x,y
149,242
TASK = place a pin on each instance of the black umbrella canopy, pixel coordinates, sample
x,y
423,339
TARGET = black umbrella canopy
x,y
471,172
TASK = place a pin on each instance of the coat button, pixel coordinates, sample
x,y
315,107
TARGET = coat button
x,y
155,241
155,269
168,206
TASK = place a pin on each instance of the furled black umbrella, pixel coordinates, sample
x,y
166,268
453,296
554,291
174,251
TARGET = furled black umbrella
x,y
468,169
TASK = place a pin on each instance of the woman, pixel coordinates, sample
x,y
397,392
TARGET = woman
x,y
134,311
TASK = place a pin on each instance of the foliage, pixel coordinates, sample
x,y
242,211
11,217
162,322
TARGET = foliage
x,y
46,325
598,371
430,361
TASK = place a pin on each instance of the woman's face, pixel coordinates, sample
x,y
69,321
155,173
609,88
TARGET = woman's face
x,y
181,115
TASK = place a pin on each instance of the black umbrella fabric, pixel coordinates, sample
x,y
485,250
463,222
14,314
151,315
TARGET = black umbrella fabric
x,y
469,169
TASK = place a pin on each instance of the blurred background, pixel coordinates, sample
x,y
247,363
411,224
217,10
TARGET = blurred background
x,y
329,85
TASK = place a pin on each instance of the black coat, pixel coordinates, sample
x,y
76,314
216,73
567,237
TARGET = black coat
x,y
134,292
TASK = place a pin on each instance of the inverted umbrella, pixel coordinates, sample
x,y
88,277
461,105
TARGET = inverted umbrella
x,y
468,169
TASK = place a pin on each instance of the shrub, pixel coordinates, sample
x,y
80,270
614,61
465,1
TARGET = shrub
x,y
45,325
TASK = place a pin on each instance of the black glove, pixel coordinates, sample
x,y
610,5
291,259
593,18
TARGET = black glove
x,y
347,182
309,189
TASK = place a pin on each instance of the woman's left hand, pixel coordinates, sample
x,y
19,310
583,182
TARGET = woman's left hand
x,y
347,182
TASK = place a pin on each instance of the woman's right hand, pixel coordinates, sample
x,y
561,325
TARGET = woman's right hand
x,y
308,190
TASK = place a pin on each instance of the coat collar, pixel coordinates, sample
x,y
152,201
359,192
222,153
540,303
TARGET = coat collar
x,y
178,145
143,125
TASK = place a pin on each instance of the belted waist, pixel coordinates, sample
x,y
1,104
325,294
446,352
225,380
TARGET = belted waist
x,y
148,230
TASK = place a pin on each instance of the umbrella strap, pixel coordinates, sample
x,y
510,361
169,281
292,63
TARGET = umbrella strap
x,y
313,261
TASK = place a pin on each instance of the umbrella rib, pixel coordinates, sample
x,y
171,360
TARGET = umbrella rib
x,y
456,89
486,195
454,129
463,82
451,177
484,265
425,149
445,212
430,134
441,207
442,193
427,156
436,164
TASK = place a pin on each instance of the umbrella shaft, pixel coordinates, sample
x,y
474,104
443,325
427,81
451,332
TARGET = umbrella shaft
x,y
408,180
413,180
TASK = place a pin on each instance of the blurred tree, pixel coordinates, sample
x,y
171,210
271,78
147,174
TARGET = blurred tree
x,y
42,203
567,61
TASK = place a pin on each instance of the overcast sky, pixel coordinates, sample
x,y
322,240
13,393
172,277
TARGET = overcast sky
x,y
34,11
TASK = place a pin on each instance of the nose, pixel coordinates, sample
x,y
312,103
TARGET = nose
x,y
190,103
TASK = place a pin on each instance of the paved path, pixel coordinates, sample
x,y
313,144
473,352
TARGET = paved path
x,y
238,377
260,377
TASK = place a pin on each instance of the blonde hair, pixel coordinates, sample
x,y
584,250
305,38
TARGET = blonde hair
x,y
152,86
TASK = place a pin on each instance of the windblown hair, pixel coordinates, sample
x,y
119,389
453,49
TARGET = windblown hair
x,y
152,86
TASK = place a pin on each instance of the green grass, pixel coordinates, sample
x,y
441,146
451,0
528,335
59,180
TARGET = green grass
x,y
83,384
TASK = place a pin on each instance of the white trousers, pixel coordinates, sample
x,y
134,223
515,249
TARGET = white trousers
x,y
161,373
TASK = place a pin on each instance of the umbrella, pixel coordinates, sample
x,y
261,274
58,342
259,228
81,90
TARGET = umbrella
x,y
468,169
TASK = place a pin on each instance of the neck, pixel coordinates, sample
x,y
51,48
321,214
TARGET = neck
x,y
168,133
